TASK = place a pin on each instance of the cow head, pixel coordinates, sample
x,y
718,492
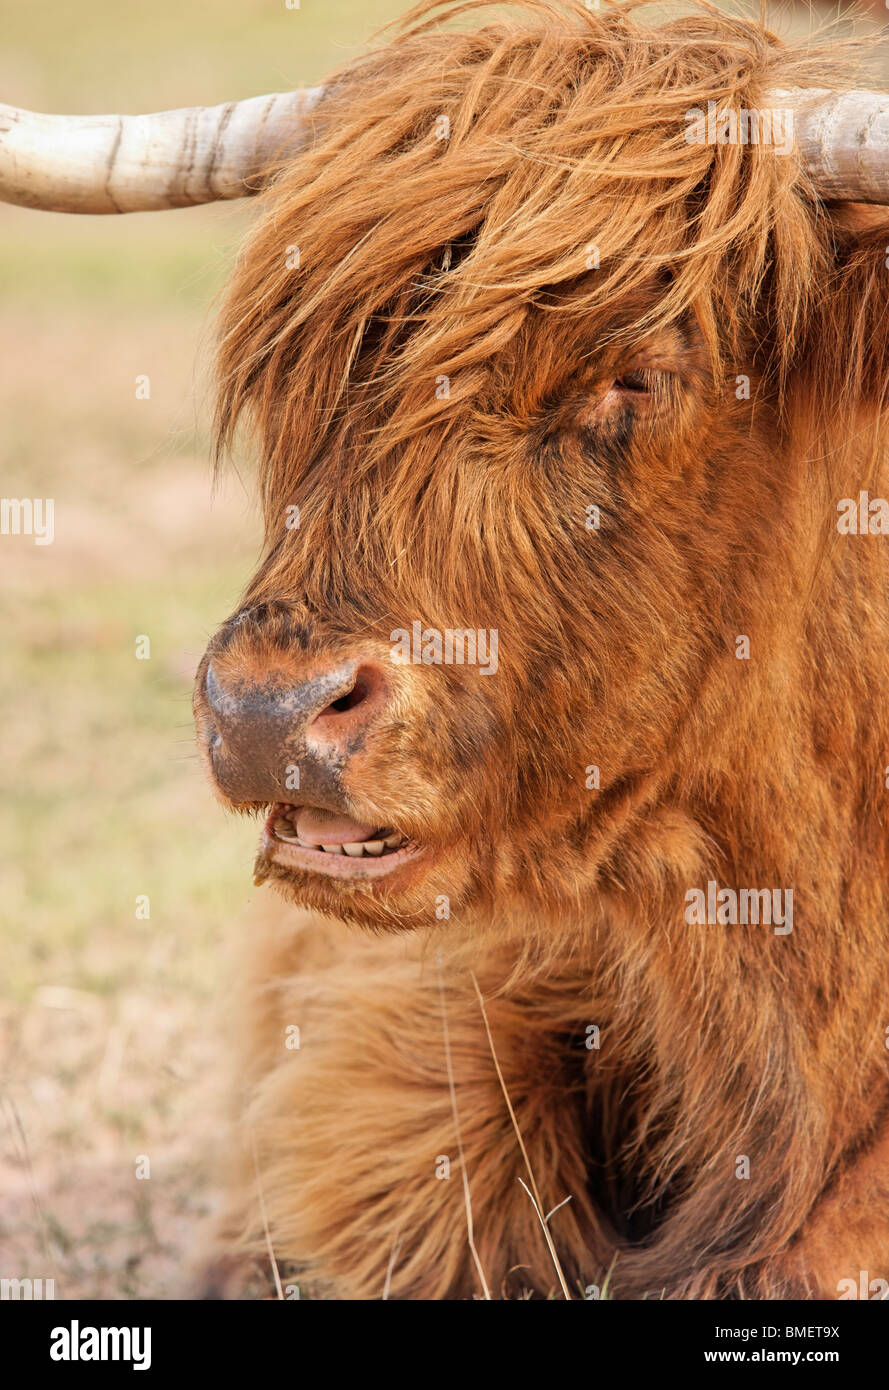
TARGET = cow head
x,y
524,361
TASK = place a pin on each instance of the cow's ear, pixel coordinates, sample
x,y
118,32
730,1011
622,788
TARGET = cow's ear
x,y
847,347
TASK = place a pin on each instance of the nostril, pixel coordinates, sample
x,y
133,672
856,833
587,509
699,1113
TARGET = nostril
x,y
368,688
355,696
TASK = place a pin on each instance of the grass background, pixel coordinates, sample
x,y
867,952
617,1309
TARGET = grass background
x,y
108,1035
108,1042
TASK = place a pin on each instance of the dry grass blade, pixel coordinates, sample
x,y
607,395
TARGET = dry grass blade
x,y
532,1191
549,1240
265,1220
396,1246
453,1090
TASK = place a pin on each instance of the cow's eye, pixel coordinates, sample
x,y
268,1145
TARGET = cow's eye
x,y
638,381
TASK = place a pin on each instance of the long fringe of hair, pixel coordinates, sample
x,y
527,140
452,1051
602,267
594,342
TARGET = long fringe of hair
x,y
453,181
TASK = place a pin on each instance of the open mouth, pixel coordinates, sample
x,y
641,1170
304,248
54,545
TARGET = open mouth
x,y
324,842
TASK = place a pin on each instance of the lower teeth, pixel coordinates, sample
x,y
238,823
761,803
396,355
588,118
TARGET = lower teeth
x,y
285,830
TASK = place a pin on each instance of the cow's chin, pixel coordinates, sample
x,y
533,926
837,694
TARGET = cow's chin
x,y
387,881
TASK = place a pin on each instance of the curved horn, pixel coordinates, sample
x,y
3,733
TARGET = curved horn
x,y
171,159
200,154
842,140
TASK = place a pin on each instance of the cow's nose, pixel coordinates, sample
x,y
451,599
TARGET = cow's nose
x,y
260,733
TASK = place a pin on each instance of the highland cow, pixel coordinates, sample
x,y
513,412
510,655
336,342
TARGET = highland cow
x,y
523,359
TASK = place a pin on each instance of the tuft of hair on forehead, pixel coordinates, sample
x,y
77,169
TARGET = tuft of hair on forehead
x,y
456,182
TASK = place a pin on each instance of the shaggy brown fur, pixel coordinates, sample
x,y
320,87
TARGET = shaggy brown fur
x,y
467,258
